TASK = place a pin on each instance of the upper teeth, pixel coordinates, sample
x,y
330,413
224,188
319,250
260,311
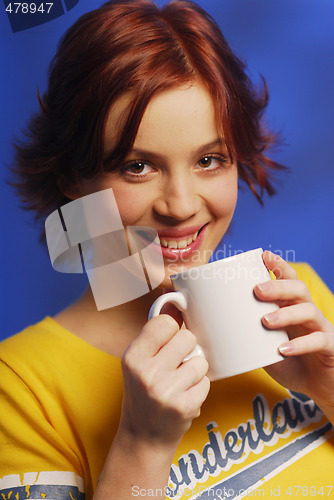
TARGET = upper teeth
x,y
178,244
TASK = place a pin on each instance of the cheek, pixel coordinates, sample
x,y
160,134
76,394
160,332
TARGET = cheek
x,y
133,205
133,202
223,197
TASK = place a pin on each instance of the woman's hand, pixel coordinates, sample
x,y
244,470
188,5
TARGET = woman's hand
x,y
309,363
162,395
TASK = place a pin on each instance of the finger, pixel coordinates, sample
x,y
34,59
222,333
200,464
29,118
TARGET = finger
x,y
191,400
192,371
154,335
316,342
278,266
175,384
283,290
306,314
172,354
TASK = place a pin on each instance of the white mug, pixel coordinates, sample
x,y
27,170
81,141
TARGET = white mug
x,y
218,305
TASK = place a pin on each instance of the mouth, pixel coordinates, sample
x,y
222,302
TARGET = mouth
x,y
177,243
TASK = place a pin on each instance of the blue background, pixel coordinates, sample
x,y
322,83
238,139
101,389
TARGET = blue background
x,y
289,42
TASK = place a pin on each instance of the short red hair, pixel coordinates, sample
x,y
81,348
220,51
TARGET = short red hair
x,y
132,45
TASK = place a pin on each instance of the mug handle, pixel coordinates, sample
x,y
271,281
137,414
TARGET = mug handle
x,y
180,302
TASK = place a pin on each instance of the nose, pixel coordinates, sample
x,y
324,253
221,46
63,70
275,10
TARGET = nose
x,y
179,197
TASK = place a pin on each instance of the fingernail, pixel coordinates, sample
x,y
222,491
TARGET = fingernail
x,y
271,317
264,287
270,255
285,349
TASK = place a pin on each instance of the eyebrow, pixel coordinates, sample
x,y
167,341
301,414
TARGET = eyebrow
x,y
196,153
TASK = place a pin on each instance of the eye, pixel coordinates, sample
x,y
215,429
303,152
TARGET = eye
x,y
211,162
205,162
137,169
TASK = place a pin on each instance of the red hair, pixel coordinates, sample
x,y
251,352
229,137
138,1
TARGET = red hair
x,y
132,45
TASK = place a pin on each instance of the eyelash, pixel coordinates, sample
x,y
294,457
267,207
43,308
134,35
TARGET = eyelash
x,y
223,161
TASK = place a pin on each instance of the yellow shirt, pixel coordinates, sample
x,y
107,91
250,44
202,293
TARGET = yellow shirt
x,y
60,407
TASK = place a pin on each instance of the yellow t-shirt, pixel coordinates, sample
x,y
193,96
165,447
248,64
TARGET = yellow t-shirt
x,y
60,407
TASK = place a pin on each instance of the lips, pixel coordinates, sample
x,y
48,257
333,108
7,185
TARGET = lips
x,y
177,243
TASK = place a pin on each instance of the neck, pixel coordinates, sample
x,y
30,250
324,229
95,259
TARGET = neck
x,y
110,330
137,309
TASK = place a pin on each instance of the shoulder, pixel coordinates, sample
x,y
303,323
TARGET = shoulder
x,y
48,355
25,356
32,343
30,333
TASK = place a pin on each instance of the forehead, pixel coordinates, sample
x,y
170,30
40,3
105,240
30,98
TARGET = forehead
x,y
181,117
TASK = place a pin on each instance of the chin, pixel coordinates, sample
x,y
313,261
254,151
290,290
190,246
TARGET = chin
x,y
165,285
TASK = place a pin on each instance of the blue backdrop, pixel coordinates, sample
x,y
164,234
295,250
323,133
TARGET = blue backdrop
x,y
289,42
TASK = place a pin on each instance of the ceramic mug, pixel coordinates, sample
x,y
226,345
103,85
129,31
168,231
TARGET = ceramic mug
x,y
218,305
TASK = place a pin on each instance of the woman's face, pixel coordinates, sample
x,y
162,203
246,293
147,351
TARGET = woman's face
x,y
177,178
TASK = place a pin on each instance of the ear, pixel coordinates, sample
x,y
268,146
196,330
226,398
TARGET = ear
x,y
72,192
71,188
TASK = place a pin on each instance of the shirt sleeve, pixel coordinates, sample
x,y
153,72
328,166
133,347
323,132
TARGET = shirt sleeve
x,y
35,460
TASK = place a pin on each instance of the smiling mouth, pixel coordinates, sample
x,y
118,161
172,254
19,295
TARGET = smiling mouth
x,y
180,243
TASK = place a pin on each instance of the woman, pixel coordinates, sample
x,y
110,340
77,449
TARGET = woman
x,y
153,104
